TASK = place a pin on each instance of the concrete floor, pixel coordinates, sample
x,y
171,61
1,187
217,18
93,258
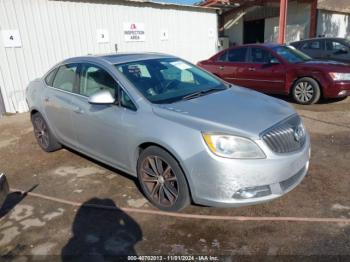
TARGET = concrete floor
x,y
36,226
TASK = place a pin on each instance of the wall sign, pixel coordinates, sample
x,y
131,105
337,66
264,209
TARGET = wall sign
x,y
164,35
102,35
11,38
134,32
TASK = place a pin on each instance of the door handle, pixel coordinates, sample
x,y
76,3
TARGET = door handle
x,y
221,68
78,110
252,69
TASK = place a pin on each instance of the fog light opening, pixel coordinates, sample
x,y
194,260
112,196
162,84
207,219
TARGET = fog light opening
x,y
252,192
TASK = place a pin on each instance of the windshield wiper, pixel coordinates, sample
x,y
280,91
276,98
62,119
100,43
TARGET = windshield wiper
x,y
201,93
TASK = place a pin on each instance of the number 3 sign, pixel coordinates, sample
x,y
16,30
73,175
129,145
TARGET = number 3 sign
x,y
11,38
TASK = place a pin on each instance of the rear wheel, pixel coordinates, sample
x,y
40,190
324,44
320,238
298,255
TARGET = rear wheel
x,y
43,135
162,179
306,91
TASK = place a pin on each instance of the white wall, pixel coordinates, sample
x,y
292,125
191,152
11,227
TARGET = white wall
x,y
51,31
332,24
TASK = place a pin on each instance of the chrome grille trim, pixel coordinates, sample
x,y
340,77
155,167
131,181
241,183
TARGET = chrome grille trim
x,y
281,137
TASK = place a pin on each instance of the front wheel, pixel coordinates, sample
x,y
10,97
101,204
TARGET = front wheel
x,y
306,91
162,179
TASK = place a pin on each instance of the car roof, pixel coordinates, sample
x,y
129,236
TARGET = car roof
x,y
320,38
269,45
119,57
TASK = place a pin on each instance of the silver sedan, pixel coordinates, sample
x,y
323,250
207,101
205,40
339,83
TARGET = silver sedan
x,y
187,135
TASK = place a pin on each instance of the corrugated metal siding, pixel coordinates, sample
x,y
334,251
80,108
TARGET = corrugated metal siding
x,y
54,30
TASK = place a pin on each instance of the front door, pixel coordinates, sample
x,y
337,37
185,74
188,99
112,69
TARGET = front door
x,y
265,73
100,129
337,51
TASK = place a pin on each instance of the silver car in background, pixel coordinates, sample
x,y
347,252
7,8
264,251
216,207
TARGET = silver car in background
x,y
187,135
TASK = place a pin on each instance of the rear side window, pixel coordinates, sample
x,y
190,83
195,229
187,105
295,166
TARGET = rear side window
x,y
65,77
312,45
237,55
50,77
223,57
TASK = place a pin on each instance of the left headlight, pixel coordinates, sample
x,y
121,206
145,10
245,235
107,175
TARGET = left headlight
x,y
232,146
340,76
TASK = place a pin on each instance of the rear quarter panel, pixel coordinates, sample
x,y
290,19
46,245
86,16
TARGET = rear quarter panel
x,y
34,93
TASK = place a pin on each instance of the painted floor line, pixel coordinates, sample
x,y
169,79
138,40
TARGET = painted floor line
x,y
191,216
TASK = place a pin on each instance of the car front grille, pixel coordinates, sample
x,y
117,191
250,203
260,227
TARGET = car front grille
x,y
287,136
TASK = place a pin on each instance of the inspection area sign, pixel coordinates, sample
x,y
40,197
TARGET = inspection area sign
x,y
134,32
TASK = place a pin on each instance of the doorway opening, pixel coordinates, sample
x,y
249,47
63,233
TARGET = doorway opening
x,y
254,31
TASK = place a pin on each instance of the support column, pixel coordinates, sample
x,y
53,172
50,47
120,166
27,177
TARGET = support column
x,y
282,21
313,19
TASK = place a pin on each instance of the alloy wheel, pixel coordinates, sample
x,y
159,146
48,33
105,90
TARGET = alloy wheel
x,y
41,132
304,92
159,180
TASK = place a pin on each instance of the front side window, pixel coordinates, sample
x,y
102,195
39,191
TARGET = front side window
x,y
335,46
65,77
168,79
94,79
291,54
260,55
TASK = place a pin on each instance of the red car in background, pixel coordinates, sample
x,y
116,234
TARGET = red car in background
x,y
281,69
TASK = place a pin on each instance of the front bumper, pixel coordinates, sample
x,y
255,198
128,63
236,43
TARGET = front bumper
x,y
338,89
215,180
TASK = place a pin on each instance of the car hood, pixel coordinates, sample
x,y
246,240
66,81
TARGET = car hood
x,y
237,110
328,65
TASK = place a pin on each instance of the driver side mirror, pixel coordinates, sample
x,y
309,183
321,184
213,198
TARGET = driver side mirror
x,y
102,97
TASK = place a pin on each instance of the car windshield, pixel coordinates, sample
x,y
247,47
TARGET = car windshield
x,y
291,54
168,80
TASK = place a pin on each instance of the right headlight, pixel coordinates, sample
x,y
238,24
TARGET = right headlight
x,y
340,76
232,146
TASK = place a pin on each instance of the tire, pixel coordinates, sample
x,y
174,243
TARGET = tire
x,y
43,134
162,180
306,91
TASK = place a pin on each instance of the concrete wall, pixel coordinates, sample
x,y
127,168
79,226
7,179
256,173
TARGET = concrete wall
x,y
298,23
235,32
333,24
51,31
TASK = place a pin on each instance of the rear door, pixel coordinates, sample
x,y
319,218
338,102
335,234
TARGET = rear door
x,y
265,72
231,64
338,51
57,102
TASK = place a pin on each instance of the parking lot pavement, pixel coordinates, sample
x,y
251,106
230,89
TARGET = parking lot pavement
x,y
38,226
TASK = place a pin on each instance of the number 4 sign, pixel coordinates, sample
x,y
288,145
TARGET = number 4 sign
x,y
11,38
